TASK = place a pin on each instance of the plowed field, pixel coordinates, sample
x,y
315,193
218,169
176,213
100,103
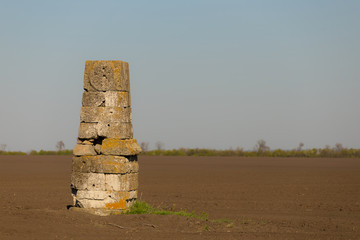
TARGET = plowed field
x,y
244,198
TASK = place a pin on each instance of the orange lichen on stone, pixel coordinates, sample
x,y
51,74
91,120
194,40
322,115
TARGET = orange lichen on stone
x,y
126,147
117,205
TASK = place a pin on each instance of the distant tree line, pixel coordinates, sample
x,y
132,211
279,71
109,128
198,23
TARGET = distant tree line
x,y
4,152
260,150
34,152
60,146
44,152
12,153
309,153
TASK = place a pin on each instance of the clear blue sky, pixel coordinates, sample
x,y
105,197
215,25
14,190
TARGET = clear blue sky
x,y
214,74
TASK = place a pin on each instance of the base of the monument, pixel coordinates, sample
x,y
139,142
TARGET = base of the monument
x,y
97,211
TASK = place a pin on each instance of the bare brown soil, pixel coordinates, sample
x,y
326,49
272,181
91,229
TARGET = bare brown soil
x,y
254,198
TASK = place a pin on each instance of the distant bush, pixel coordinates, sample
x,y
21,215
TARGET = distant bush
x,y
43,152
12,153
34,152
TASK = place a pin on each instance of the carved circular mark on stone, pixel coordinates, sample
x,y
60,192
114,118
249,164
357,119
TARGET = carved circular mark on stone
x,y
102,78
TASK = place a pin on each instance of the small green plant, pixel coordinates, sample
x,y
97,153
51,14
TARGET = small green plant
x,y
229,223
141,207
223,220
206,227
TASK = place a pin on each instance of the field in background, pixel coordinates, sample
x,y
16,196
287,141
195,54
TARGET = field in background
x,y
244,198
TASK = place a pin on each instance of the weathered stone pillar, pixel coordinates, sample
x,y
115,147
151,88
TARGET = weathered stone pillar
x,y
105,167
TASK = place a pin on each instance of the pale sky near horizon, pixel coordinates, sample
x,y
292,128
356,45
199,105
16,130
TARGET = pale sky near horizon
x,y
208,74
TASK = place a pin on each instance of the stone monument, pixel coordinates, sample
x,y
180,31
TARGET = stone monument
x,y
104,167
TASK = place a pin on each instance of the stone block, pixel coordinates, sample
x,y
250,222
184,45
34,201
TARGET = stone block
x,y
93,99
115,164
115,130
86,142
91,195
96,164
88,131
133,164
116,182
102,199
105,115
115,114
90,114
117,99
103,76
133,194
84,150
90,203
120,147
112,182
82,164
88,181
132,179
102,164
133,167
78,181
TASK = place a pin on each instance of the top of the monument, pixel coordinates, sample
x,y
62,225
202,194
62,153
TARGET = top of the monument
x,y
106,75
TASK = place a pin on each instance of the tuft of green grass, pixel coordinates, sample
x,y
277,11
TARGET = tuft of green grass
x,y
229,223
223,220
141,207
